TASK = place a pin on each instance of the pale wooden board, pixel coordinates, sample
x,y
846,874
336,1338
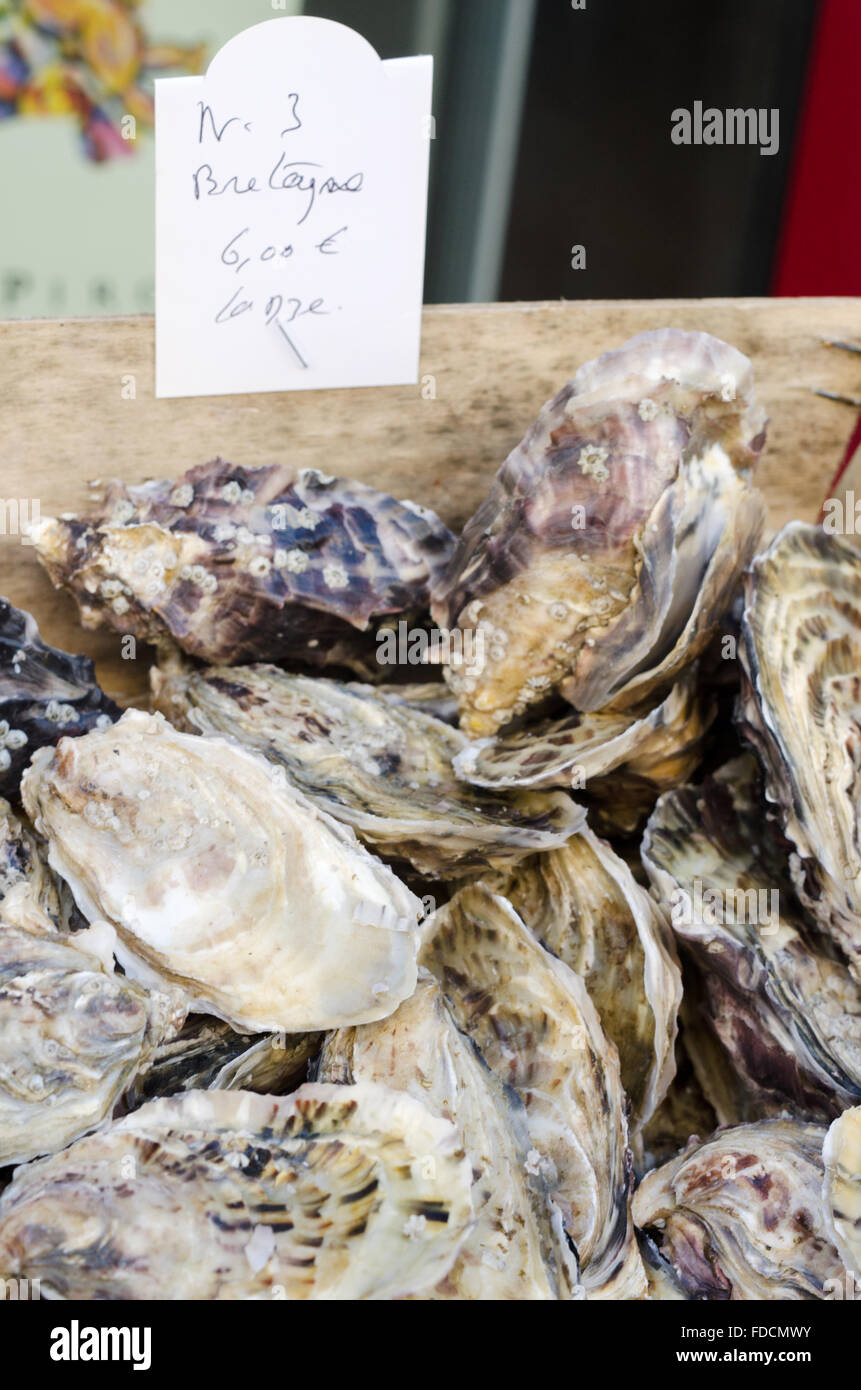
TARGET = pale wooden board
x,y
65,420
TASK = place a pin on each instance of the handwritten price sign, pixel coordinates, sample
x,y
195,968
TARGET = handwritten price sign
x,y
291,200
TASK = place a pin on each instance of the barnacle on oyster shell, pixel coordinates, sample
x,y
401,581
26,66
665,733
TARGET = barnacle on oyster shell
x,y
512,1251
73,1034
381,767
841,1155
788,1015
243,564
583,904
333,1192
742,1216
220,878
614,534
45,695
801,707
539,1031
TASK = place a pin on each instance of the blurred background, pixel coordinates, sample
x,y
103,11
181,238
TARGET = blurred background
x,y
553,170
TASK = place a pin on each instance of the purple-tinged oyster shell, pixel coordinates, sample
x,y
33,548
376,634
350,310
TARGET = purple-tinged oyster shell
x,y
45,695
614,535
243,564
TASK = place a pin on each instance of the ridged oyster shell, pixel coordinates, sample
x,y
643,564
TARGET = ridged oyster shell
x,y
539,1032
801,706
583,904
325,1194
842,1187
787,1015
741,1215
210,1055
614,535
72,1033
243,564
574,750
380,767
45,695
221,879
511,1252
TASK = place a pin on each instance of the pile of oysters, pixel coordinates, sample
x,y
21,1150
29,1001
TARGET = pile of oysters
x,y
464,918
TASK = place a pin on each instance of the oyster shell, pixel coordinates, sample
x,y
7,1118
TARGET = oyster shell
x,y
578,748
787,1015
72,1033
614,534
324,1194
221,879
45,695
841,1155
539,1031
510,1252
243,564
583,904
741,1215
382,768
210,1055
801,706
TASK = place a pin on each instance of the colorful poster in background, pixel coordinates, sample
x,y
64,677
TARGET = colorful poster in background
x,y
76,236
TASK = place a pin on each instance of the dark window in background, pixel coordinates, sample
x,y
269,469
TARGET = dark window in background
x,y
596,165
553,130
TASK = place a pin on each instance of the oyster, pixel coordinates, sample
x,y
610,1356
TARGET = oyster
x,y
221,879
382,768
210,1055
45,695
72,1033
614,534
325,1194
841,1155
684,1113
510,1252
583,904
538,1031
243,564
741,1215
788,1016
578,748
801,706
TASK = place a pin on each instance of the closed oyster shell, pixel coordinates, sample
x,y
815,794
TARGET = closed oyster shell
x,y
583,904
243,564
539,1031
578,748
72,1033
511,1252
382,768
324,1194
221,879
842,1187
210,1055
801,707
614,534
787,1015
45,695
741,1215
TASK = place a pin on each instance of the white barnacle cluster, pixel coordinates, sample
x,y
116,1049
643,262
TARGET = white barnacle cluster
x,y
11,740
293,561
335,576
57,713
200,577
592,462
182,496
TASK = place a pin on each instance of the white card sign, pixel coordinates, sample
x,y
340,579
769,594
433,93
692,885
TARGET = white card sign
x,y
291,201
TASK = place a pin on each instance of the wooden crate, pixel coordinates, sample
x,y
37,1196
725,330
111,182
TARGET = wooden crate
x,y
486,369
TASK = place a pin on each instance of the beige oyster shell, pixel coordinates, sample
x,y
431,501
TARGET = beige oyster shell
x,y
334,1192
512,1251
73,1034
219,878
842,1187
